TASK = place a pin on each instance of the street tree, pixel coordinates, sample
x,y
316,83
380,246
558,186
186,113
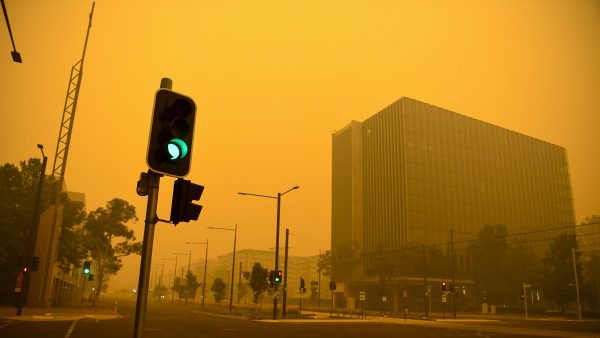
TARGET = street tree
x,y
591,272
71,250
324,264
557,272
18,189
258,281
191,285
218,289
489,263
243,286
107,238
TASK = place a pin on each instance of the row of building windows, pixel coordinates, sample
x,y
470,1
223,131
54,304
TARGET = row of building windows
x,y
466,131
506,158
496,182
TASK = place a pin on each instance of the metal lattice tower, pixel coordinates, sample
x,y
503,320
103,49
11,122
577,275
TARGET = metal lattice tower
x,y
62,151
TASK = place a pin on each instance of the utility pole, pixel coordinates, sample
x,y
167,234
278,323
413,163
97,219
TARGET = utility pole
x,y
239,282
283,306
204,279
576,284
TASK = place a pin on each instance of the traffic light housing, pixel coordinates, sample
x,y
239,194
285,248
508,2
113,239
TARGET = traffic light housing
x,y
87,266
182,207
171,134
444,286
35,263
301,283
90,277
278,277
332,286
271,279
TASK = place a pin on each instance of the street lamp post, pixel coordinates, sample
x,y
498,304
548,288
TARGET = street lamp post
x,y
205,263
30,248
232,262
175,277
278,197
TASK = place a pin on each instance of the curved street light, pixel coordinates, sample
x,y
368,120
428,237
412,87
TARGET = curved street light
x,y
232,263
278,198
205,263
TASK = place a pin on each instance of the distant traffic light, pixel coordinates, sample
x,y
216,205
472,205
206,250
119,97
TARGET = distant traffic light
x,y
444,286
90,277
332,286
271,279
278,277
87,265
171,134
301,283
35,263
182,207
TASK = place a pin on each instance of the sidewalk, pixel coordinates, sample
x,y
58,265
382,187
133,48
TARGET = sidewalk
x,y
69,312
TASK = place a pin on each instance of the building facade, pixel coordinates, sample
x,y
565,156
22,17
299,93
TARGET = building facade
x,y
411,172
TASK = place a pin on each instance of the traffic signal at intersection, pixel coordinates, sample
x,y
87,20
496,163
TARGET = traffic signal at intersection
x,y
278,277
444,286
87,266
183,208
272,279
171,134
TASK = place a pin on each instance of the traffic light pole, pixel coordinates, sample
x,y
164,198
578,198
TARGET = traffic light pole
x,y
276,256
153,184
146,260
285,266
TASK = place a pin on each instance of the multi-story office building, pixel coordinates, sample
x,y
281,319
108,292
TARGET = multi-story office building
x,y
409,173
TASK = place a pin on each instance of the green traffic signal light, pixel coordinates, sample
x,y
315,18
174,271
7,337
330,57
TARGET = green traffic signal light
x,y
87,265
177,149
171,134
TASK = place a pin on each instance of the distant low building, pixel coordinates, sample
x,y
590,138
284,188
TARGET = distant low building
x,y
305,267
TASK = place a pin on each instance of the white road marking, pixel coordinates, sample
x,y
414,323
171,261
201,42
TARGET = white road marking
x,y
71,329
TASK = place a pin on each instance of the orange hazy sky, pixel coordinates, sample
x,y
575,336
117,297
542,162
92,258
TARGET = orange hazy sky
x,y
272,80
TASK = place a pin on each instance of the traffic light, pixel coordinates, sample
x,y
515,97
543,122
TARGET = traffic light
x,y
278,276
444,286
90,277
87,265
35,263
332,286
171,134
301,283
182,207
271,279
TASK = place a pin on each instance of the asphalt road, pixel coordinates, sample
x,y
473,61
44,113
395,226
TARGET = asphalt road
x,y
166,320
